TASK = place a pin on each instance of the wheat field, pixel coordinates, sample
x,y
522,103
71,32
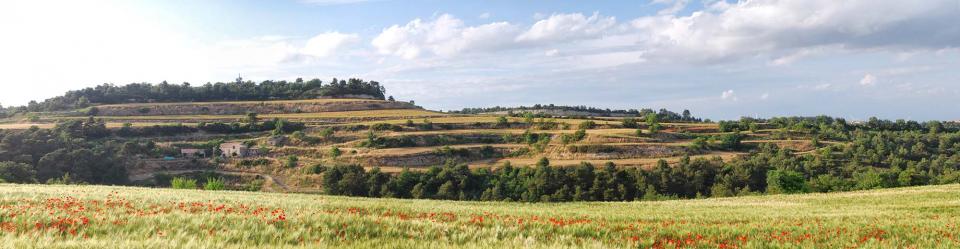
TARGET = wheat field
x,y
61,216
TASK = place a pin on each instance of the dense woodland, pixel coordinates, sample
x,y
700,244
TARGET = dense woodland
x,y
239,90
875,154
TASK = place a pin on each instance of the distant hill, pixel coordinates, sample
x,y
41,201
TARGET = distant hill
x,y
579,111
233,91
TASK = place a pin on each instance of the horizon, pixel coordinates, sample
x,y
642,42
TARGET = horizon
x,y
719,59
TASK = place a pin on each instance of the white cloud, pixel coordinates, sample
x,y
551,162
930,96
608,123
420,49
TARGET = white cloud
x,y
728,95
485,15
675,6
326,44
726,31
447,36
444,36
567,27
868,80
765,96
823,86
552,52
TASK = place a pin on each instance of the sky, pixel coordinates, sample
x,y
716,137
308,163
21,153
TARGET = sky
x,y
719,59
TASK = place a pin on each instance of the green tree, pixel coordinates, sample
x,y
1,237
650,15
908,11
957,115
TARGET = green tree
x,y
15,172
631,123
252,119
785,182
335,152
292,161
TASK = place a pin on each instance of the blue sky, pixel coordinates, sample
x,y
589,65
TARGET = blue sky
x,y
720,59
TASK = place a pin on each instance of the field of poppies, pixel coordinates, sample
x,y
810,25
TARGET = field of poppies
x,y
61,216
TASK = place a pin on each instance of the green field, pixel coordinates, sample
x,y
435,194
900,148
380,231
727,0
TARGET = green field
x,y
59,216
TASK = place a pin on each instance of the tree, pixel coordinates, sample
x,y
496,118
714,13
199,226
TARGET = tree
x,y
587,125
653,122
785,182
327,133
502,121
335,152
731,141
292,161
278,127
630,122
252,119
17,172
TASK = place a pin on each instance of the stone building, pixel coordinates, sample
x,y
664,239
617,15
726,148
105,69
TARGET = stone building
x,y
235,149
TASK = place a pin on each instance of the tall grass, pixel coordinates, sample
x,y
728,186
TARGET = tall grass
x,y
183,183
214,184
70,216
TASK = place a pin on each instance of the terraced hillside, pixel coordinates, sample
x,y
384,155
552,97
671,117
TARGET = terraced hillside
x,y
389,136
244,107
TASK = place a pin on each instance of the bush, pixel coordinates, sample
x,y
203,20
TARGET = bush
x,y
587,125
385,127
292,161
315,169
183,183
502,121
214,184
254,162
630,122
785,182
335,152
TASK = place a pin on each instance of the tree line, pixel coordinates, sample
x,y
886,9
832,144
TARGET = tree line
x,y
861,156
663,114
219,91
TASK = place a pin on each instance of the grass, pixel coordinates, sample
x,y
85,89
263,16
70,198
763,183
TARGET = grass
x,y
60,216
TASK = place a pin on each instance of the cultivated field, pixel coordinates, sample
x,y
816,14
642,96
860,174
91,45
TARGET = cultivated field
x,y
59,216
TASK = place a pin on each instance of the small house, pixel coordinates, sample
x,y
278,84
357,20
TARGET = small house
x,y
235,149
193,153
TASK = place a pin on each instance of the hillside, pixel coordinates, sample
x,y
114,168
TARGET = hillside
x,y
382,148
244,107
59,216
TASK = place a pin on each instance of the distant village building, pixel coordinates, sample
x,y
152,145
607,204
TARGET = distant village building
x,y
193,153
277,141
235,149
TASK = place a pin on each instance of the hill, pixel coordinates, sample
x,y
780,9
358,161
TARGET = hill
x,y
231,91
379,148
60,216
